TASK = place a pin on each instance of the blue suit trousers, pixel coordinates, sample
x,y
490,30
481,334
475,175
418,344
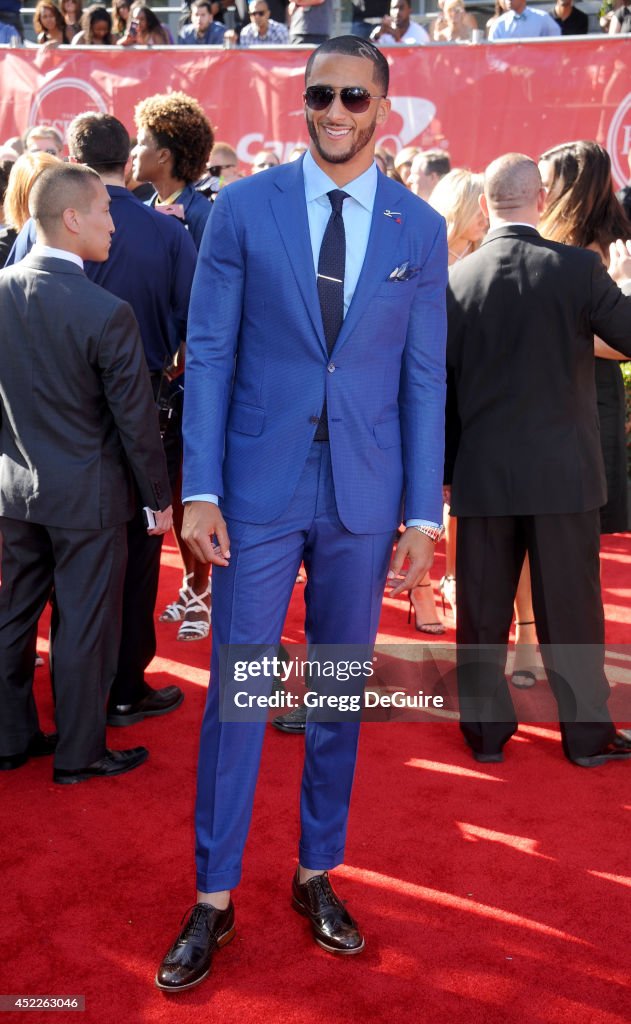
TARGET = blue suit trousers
x,y
346,575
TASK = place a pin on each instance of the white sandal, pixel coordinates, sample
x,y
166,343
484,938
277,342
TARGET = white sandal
x,y
196,629
175,611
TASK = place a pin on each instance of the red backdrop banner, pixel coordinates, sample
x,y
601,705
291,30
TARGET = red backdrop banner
x,y
476,101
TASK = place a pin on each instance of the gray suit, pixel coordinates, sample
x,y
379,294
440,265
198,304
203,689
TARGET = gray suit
x,y
77,415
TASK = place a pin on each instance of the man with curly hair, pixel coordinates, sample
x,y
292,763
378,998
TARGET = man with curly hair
x,y
174,141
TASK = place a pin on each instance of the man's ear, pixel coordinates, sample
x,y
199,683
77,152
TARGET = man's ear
x,y
542,199
484,206
71,220
384,111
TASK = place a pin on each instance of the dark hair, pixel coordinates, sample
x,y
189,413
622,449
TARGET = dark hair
x,y
59,187
37,23
178,123
355,46
435,161
202,3
5,170
89,17
582,207
100,141
153,23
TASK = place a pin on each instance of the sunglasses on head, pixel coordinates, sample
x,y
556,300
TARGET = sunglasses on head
x,y
353,97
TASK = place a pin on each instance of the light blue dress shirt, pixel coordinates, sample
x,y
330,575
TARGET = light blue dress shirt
x,y
530,24
357,215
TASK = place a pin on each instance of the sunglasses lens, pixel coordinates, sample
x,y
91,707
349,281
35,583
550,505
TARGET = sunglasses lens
x,y
319,97
355,100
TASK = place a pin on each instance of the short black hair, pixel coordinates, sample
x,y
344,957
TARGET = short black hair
x,y
355,46
99,140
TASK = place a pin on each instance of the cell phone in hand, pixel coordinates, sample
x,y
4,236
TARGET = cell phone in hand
x,y
149,517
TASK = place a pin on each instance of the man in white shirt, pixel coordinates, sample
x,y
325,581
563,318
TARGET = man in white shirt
x,y
263,30
396,29
521,22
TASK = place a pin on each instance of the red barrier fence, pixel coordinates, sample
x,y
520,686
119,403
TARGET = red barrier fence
x,y
476,101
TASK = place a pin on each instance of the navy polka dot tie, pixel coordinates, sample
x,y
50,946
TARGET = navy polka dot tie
x,y
331,266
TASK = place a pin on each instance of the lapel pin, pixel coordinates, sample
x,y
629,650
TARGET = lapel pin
x,y
393,214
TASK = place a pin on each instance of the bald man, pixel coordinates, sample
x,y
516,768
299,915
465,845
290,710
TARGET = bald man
x,y
76,414
525,463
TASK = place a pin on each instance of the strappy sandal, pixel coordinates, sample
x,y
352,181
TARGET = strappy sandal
x,y
523,678
175,611
196,629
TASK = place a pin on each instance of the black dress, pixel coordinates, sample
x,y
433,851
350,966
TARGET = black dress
x,y
614,516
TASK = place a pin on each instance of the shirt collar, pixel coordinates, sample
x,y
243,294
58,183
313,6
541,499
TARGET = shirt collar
x,y
520,17
39,249
317,183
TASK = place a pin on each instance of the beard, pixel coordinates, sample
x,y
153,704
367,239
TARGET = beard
x,y
362,139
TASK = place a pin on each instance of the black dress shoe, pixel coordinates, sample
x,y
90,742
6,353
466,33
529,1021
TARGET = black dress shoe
x,y
333,927
189,958
156,702
618,750
294,721
495,758
113,762
42,744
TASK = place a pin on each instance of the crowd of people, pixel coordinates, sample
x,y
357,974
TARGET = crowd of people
x,y
247,23
260,365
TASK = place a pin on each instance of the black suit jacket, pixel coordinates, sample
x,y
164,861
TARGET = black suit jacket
x,y
523,433
76,404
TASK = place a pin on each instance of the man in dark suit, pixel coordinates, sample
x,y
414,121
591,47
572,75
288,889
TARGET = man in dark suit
x,y
150,266
525,462
314,418
77,413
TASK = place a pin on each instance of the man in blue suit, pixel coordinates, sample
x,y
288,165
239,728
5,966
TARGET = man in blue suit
x,y
313,423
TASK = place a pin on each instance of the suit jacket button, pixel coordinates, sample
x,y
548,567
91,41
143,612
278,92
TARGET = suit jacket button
x,y
314,419
331,367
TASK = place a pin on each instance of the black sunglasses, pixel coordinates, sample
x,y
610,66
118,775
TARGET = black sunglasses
x,y
355,99
215,169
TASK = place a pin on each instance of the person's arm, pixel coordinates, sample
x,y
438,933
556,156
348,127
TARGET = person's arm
x,y
128,394
422,414
610,312
213,330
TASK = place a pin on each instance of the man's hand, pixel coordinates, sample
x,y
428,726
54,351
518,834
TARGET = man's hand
x,y
419,550
164,522
203,521
620,260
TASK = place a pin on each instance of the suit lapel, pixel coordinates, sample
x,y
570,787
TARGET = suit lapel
x,y
289,207
381,255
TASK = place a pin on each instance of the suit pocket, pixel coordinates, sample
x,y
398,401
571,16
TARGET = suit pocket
x,y
388,433
246,419
396,289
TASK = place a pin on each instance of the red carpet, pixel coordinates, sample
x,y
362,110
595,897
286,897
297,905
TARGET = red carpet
x,y
487,893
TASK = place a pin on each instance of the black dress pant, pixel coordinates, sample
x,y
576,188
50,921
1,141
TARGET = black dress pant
x,y
565,573
86,569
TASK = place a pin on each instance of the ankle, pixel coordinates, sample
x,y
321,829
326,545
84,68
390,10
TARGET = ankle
x,y
304,874
218,900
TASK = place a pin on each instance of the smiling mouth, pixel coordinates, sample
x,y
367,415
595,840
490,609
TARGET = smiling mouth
x,y
336,133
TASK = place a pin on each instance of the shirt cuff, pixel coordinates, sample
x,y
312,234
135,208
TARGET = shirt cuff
x,y
422,522
212,499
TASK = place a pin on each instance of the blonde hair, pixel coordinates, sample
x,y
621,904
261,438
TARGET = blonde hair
x,y
24,173
456,198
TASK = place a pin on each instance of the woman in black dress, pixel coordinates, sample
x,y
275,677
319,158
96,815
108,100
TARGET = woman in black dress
x,y
583,210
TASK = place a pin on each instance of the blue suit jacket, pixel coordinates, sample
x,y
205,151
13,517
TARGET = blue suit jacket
x,y
258,370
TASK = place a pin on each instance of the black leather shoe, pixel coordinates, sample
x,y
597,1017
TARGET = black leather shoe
x,y
113,762
189,958
157,702
42,744
294,721
495,758
333,927
618,750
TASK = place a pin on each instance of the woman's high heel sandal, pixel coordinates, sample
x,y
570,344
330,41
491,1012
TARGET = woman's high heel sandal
x,y
175,611
433,628
523,678
447,590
